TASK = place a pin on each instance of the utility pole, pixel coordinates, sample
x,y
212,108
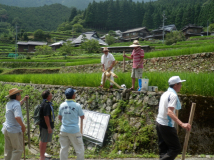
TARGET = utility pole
x,y
207,27
164,18
16,43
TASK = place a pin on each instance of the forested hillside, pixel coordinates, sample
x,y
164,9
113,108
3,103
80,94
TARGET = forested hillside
x,y
123,14
46,18
79,4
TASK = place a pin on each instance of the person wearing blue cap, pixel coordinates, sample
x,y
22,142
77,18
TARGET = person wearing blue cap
x,y
69,113
168,142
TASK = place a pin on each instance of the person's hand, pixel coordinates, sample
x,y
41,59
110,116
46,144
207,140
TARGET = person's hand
x,y
23,128
103,70
50,130
138,66
124,56
25,98
186,126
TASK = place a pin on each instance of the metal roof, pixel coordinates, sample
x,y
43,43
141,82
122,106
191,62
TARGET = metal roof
x,y
57,43
168,28
135,30
191,26
36,43
89,36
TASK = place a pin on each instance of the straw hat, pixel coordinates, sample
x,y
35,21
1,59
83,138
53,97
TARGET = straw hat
x,y
105,49
135,44
13,91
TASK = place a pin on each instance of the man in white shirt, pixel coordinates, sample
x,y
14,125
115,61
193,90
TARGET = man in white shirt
x,y
107,61
168,142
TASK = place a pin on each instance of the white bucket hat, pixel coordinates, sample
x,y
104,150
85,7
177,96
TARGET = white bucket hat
x,y
135,44
105,49
175,80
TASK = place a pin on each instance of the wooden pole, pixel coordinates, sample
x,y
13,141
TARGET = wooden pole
x,y
123,61
188,132
28,122
113,82
81,126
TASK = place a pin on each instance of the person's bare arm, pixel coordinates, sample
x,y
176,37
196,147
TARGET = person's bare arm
x,y
171,114
23,100
60,118
103,68
19,120
127,56
81,124
47,121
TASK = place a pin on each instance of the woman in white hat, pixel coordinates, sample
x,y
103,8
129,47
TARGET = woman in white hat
x,y
13,127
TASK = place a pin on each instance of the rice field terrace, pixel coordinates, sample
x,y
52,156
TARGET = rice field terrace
x,y
198,84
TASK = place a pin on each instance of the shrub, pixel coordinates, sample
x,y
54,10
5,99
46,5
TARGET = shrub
x,y
173,37
77,28
91,46
66,48
43,50
110,39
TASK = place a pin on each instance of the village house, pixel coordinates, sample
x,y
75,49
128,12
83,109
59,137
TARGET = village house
x,y
158,33
192,30
29,46
88,36
56,45
135,34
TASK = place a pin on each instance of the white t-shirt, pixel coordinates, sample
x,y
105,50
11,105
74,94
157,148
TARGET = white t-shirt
x,y
107,60
168,99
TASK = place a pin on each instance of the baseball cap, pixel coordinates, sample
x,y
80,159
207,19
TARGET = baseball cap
x,y
174,80
69,92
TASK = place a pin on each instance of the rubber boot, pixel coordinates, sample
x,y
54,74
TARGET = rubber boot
x,y
139,84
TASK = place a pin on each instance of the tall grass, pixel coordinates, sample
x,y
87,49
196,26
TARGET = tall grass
x,y
1,142
199,84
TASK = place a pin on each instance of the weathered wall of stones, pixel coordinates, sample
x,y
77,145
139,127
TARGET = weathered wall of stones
x,y
201,62
133,112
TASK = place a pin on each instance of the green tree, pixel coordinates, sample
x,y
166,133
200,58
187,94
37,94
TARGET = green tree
x,y
16,21
66,48
43,50
73,14
91,46
3,14
110,39
173,37
77,28
39,34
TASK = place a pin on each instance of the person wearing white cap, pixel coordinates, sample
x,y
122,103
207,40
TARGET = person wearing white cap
x,y
168,142
107,61
137,68
13,127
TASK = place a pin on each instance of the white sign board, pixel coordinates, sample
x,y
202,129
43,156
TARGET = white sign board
x,y
94,126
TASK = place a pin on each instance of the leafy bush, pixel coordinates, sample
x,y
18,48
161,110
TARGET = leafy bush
x,y
110,39
66,48
43,50
77,28
91,46
173,37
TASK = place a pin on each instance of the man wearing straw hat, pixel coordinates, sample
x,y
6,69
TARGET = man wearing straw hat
x,y
107,61
137,67
69,114
168,142
14,128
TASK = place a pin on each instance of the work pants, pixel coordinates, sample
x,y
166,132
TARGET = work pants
x,y
66,139
13,146
168,142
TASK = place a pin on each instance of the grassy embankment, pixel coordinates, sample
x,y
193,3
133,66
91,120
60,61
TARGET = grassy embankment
x,y
198,84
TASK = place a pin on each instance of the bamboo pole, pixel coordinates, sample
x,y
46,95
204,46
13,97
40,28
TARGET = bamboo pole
x,y
28,122
123,61
188,132
24,144
113,82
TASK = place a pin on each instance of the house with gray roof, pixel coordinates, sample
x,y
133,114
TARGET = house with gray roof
x,y
88,36
56,45
29,46
158,33
135,34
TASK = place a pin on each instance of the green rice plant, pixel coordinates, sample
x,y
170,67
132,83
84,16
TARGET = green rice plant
x,y
1,142
198,84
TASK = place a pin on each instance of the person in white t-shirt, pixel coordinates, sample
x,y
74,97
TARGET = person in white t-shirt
x,y
107,61
168,142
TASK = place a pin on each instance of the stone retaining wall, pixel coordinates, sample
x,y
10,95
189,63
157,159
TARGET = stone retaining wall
x,y
136,110
201,62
